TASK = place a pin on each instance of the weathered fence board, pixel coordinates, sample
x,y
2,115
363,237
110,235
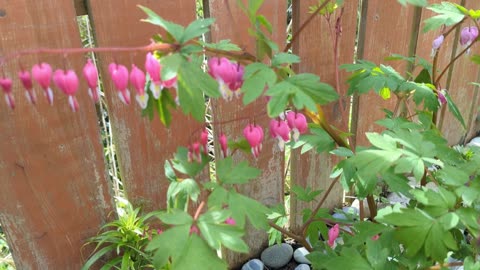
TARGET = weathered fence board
x,y
142,145
268,188
54,191
310,169
464,94
387,29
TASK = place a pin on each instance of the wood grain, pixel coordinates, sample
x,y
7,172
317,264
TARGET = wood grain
x,y
311,169
54,194
268,188
142,145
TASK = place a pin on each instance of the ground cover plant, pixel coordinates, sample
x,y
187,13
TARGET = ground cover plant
x,y
438,227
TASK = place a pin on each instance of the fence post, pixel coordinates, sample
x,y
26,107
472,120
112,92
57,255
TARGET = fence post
x,y
268,188
54,191
142,145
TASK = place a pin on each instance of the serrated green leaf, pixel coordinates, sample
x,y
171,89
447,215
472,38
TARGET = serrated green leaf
x,y
195,254
183,165
228,173
418,3
196,29
176,217
173,29
284,58
277,105
170,65
243,206
176,237
257,77
164,102
448,14
305,194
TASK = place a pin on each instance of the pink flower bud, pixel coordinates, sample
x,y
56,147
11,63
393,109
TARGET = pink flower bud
x,y
6,85
223,144
441,97
333,234
254,136
67,81
281,131
42,73
137,79
90,73
375,237
27,83
204,140
230,221
298,123
437,42
119,75
194,230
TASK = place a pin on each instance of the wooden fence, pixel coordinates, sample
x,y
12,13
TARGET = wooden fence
x,y
55,192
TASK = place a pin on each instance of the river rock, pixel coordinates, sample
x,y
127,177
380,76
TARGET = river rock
x,y
299,255
254,264
277,256
302,267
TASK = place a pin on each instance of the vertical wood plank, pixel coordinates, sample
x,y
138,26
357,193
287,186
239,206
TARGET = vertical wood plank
x,y
142,145
464,94
387,30
54,192
311,169
268,188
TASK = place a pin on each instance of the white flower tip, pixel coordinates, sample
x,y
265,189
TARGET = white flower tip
x,y
142,100
10,101
72,101
156,89
49,94
31,96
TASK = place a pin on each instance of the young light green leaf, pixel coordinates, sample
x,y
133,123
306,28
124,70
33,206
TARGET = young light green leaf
x,y
454,109
418,3
228,173
448,14
284,58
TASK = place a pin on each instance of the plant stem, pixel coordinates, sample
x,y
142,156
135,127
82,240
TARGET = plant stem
x,y
318,207
199,210
302,27
299,238
455,59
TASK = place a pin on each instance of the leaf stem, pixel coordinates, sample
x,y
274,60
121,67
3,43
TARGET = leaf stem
x,y
286,232
455,59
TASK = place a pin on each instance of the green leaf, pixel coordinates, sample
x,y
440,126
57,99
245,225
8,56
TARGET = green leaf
x,y
214,230
454,109
257,77
305,194
97,256
418,3
228,173
176,217
169,172
170,65
164,102
195,254
181,163
222,45
243,207
423,77
448,14
349,259
277,105
196,29
284,58
173,29
310,85
176,237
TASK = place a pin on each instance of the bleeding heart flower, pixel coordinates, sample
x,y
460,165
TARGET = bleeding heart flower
x,y
204,140
222,139
153,68
27,83
333,235
6,85
119,74
280,130
441,97
42,73
228,75
138,80
90,73
67,81
437,43
194,230
194,152
298,123
254,136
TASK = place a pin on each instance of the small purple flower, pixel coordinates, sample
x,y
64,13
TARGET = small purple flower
x,y
441,97
468,35
436,44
